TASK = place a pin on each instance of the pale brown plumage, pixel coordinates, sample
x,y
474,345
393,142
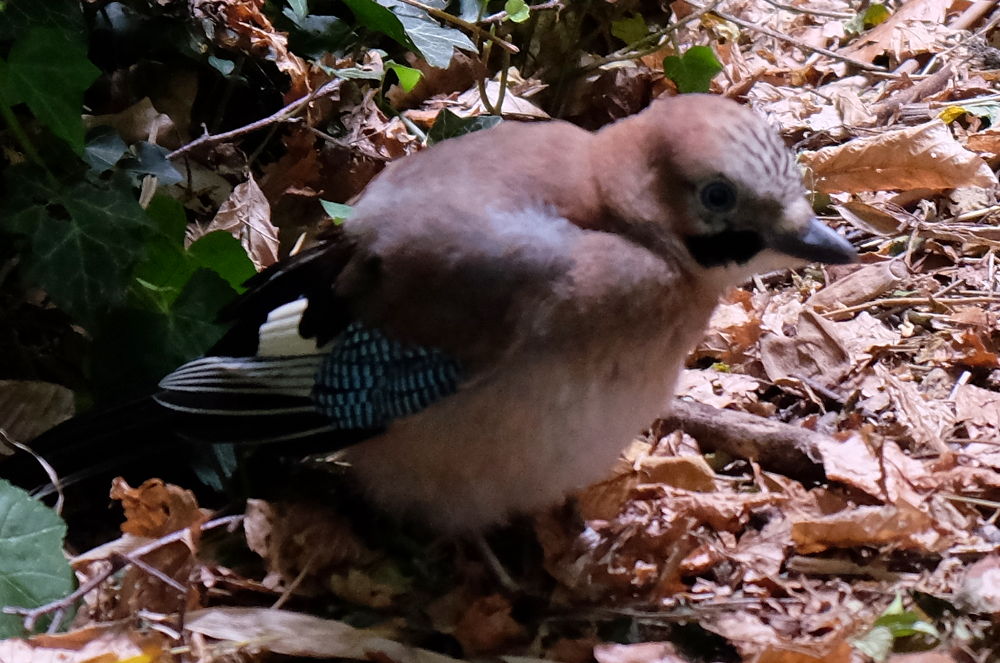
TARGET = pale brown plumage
x,y
563,274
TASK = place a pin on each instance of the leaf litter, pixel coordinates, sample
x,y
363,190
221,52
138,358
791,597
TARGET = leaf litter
x,y
876,480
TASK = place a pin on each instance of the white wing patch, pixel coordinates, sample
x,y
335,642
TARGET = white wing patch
x,y
279,335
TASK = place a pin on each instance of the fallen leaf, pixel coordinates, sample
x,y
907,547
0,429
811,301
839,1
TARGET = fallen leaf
x,y
246,215
297,634
925,156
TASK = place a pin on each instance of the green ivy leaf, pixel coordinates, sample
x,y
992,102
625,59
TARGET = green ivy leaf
x,y
151,159
222,65
869,18
408,76
412,28
18,16
104,149
123,363
223,254
433,41
336,211
33,569
191,324
374,16
6,94
49,70
448,125
630,29
168,266
518,11
313,36
693,71
84,238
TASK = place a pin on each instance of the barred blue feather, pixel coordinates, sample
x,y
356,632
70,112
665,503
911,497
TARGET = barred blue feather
x,y
368,379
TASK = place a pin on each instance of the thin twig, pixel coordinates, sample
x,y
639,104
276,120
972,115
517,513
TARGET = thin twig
x,y
44,464
813,12
281,115
910,301
462,23
501,16
867,66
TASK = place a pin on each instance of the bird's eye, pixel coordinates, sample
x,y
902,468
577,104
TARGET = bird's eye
x,y
718,196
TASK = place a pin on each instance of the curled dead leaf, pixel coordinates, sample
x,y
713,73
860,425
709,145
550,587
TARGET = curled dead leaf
x,y
926,156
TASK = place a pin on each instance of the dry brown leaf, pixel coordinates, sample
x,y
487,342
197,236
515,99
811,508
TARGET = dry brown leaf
x,y
93,644
246,215
914,28
155,508
732,330
978,410
814,352
242,25
685,472
902,526
980,590
871,219
717,388
373,135
604,500
987,140
487,625
864,335
842,653
864,284
970,350
301,542
298,634
470,104
29,408
140,121
925,156
853,462
926,420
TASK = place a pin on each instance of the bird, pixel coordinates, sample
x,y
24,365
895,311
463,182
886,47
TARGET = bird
x,y
503,311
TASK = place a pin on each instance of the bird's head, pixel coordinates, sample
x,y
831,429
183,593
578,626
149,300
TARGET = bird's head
x,y
709,182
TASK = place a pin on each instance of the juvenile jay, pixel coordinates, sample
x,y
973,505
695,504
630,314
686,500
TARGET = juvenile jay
x,y
505,310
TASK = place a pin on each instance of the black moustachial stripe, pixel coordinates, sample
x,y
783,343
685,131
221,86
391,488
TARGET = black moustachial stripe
x,y
728,246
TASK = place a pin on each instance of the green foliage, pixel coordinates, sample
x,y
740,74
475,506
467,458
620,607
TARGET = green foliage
x,y
33,569
84,237
336,211
630,29
895,623
869,18
17,16
412,28
147,302
168,266
694,70
408,76
449,125
138,345
517,10
47,69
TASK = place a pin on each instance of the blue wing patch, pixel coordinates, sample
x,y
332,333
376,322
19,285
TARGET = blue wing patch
x,y
368,379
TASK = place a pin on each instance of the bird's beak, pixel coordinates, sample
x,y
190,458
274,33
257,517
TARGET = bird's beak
x,y
816,243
